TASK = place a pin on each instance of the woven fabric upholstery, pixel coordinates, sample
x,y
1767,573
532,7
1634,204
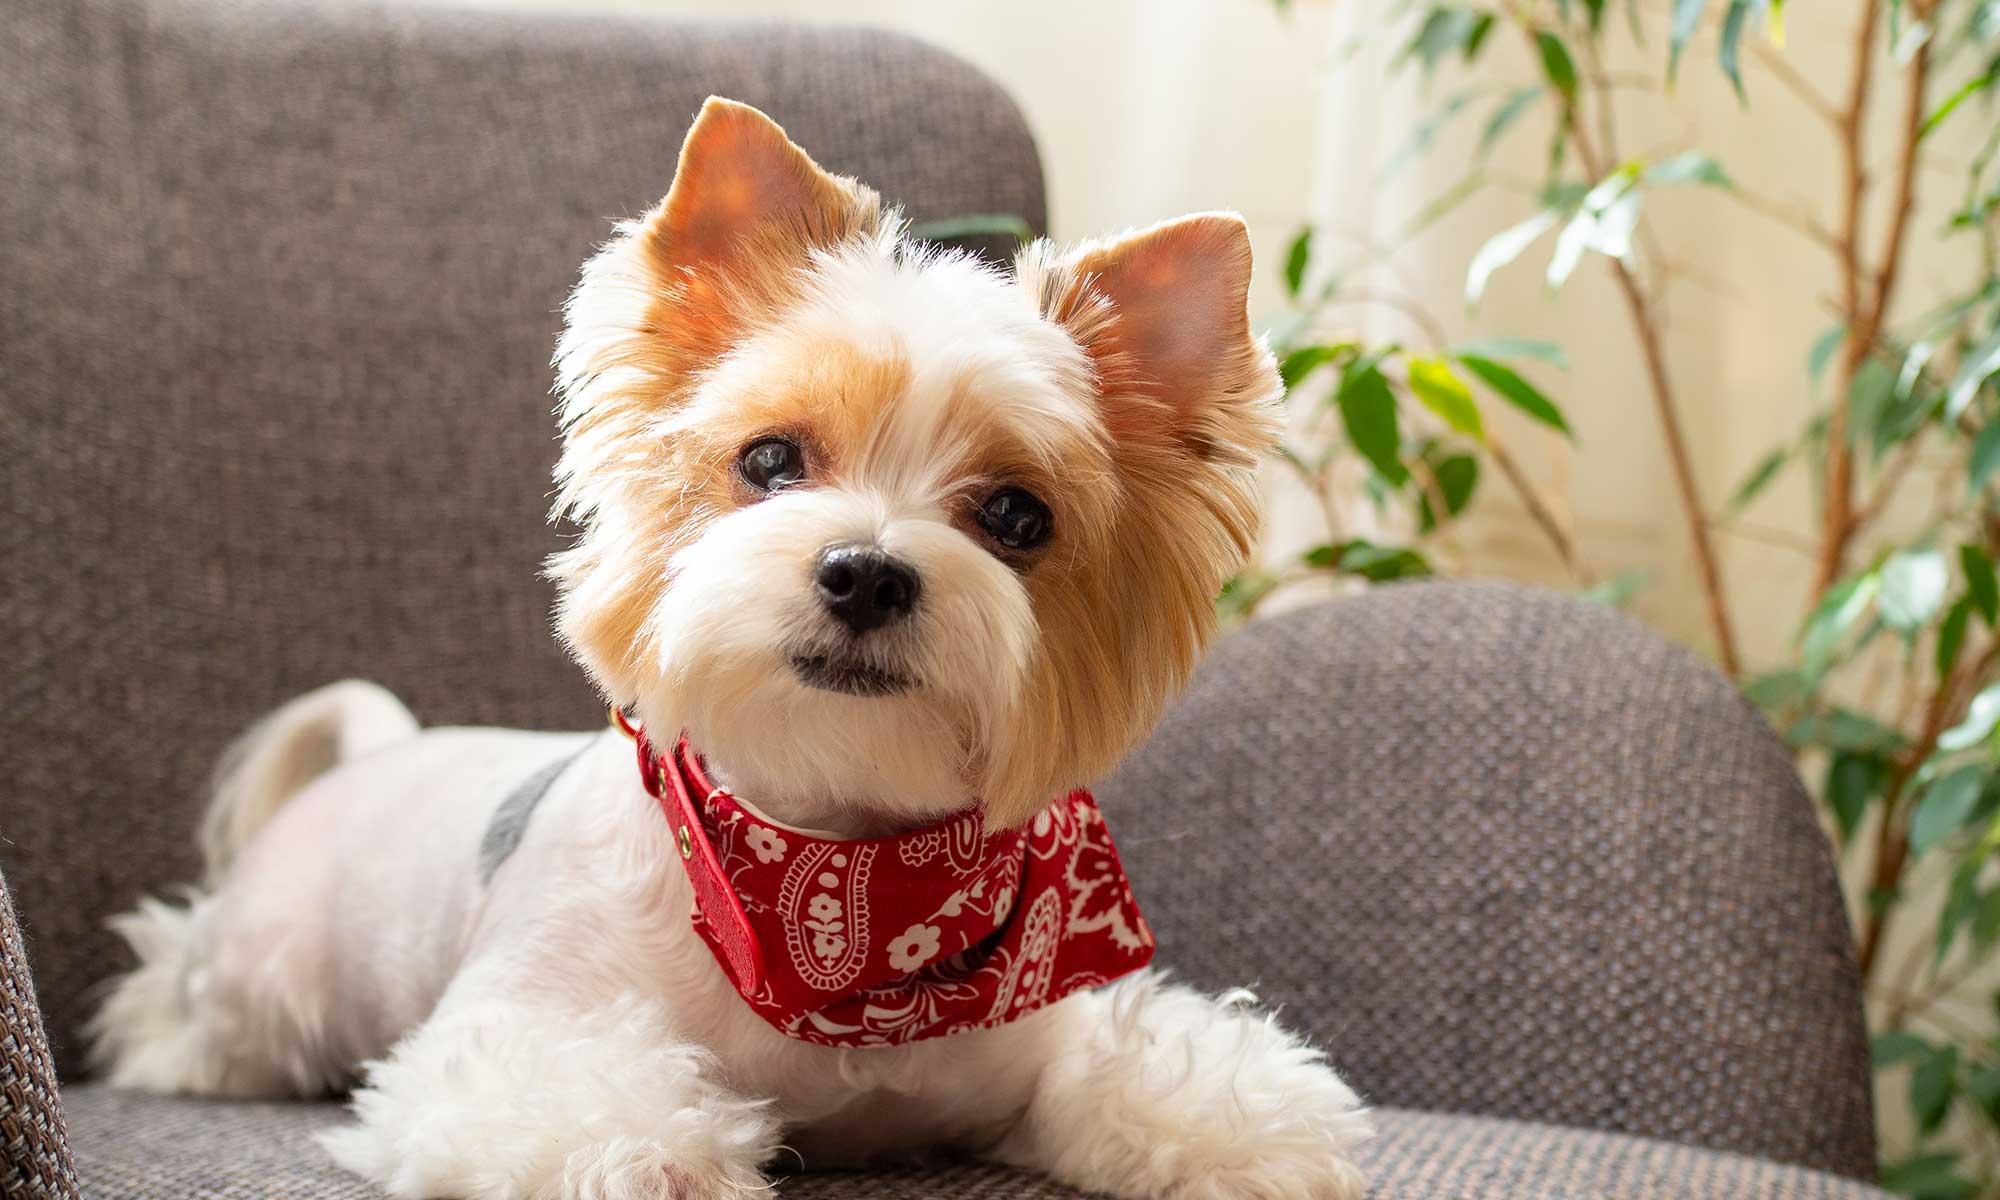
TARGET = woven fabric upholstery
x,y
135,1147
34,1151
277,297
1507,853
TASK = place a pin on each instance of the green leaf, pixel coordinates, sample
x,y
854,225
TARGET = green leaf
x,y
1730,54
1503,117
1444,30
1775,688
1977,366
1767,469
1944,807
1845,730
1951,636
1516,391
1426,132
1442,203
1932,1087
1868,397
1927,1177
1985,458
1502,248
1440,389
1980,718
1510,347
1986,925
1961,899
1556,65
1828,623
973,225
1297,257
1852,779
1966,91
1457,476
1898,1047
1618,591
1687,18
1913,586
1368,410
1980,583
1822,352
1307,359
1481,26
1379,564
1603,222
1242,593
1692,167
1984,1083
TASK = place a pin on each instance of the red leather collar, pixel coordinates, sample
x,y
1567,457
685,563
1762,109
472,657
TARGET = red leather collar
x,y
880,941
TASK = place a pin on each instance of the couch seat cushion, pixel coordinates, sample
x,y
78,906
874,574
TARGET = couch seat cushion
x,y
130,1146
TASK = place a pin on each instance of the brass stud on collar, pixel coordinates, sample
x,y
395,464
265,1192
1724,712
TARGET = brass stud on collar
x,y
687,843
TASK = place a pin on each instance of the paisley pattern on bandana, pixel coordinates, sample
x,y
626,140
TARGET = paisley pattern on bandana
x,y
882,941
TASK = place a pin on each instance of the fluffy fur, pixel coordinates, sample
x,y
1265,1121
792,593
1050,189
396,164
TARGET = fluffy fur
x,y
557,1030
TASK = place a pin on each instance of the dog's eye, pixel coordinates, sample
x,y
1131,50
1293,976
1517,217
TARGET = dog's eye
x,y
769,464
1015,519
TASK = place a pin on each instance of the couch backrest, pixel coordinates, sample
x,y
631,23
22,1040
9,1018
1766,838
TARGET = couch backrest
x,y
1508,853
278,288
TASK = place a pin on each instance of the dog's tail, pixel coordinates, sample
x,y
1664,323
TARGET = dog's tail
x,y
161,1027
288,749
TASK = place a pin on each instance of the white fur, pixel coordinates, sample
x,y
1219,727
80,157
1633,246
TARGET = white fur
x,y
560,1031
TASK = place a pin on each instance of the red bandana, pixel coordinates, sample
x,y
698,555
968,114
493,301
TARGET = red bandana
x,y
888,940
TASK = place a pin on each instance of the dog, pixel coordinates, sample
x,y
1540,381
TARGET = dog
x,y
884,555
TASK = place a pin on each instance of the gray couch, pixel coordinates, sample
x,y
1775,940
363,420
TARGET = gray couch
x,y
277,291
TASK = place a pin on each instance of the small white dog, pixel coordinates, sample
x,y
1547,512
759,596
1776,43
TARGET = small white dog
x,y
907,549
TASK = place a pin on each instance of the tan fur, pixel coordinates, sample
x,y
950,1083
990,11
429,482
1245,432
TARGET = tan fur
x,y
1149,524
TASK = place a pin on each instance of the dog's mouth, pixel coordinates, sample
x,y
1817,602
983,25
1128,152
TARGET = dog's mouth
x,y
846,676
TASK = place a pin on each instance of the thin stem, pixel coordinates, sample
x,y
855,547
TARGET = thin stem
x,y
1646,326
1668,411
1784,539
1837,496
1892,846
1791,216
1795,83
1540,511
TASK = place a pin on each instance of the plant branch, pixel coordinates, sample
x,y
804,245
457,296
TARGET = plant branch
x,y
1791,216
1646,327
1837,495
1892,843
1540,511
1668,411
1796,83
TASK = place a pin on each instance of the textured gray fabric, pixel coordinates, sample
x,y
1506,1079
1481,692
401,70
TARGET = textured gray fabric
x,y
135,1147
278,288
34,1149
1507,853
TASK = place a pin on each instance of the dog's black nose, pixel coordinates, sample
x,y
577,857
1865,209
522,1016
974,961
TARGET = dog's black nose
x,y
863,586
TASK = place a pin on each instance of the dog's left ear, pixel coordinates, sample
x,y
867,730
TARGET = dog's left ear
x,y
742,191
1163,314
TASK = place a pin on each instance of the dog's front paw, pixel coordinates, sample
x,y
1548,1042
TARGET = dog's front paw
x,y
1159,1093
507,1102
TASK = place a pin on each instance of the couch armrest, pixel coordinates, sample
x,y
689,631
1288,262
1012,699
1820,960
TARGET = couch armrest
x,y
34,1149
1512,854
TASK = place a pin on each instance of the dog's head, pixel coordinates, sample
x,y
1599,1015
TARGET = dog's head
x,y
880,526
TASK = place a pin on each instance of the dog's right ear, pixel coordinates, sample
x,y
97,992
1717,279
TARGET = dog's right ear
x,y
744,195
